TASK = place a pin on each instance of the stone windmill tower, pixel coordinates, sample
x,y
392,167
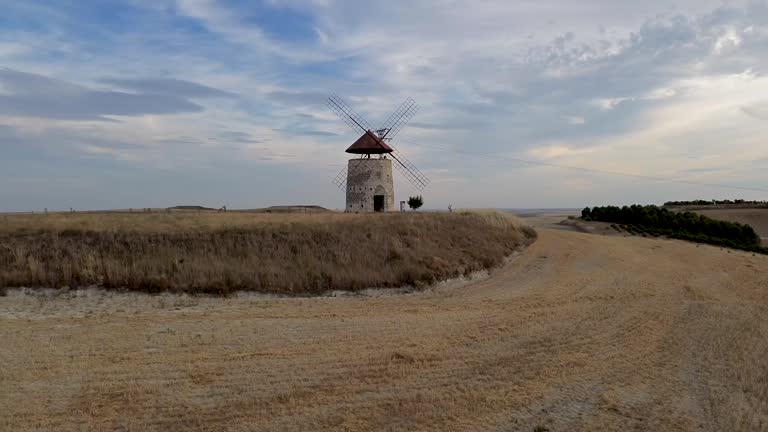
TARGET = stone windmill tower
x,y
368,180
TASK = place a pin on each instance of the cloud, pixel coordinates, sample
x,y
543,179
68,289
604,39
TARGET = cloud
x,y
238,137
31,95
437,126
758,110
703,170
315,133
575,120
297,98
559,151
167,86
228,23
58,143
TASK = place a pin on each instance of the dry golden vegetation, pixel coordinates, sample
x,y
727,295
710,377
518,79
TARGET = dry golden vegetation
x,y
579,333
276,253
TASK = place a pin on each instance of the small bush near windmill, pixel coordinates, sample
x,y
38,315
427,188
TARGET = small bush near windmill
x,y
415,202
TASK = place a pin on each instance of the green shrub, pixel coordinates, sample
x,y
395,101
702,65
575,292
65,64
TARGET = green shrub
x,y
415,202
657,221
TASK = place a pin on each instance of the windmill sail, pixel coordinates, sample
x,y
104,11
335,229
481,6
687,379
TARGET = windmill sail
x,y
391,128
398,119
354,167
378,143
409,170
348,115
341,179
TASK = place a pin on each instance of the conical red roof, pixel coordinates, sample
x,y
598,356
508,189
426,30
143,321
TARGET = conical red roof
x,y
369,143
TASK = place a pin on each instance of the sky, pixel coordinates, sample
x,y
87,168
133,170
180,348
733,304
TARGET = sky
x,y
523,104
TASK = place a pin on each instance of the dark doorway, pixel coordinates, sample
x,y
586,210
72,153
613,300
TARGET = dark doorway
x,y
378,203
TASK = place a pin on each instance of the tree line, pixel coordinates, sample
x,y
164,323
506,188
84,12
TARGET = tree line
x,y
713,202
658,221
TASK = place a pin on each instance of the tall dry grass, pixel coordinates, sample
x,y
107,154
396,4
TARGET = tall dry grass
x,y
223,252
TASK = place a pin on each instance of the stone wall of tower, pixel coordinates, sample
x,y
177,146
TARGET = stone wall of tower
x,y
366,178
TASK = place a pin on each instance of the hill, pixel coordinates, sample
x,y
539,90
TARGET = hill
x,y
291,209
190,207
286,253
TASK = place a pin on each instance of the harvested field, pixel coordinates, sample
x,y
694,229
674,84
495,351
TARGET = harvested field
x,y
580,333
754,217
273,253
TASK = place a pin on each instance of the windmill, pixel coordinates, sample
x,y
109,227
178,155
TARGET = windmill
x,y
368,181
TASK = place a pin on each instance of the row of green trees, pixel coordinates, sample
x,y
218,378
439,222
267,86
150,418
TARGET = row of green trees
x,y
683,225
712,202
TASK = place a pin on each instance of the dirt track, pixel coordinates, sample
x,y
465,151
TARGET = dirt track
x,y
581,332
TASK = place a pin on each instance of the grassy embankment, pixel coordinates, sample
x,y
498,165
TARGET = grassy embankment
x,y
655,221
222,252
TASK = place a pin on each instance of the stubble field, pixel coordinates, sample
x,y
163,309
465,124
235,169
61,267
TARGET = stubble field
x,y
579,333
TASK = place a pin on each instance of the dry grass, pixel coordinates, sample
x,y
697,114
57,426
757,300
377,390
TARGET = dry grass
x,y
579,333
223,252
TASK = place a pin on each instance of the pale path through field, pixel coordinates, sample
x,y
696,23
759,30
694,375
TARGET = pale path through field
x,y
581,332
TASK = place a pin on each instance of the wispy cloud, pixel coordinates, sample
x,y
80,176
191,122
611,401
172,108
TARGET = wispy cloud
x,y
169,87
758,110
31,95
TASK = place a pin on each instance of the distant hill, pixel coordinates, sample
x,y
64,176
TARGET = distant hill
x,y
190,207
291,209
